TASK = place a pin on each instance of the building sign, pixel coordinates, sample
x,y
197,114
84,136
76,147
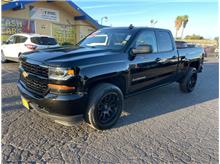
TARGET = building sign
x,y
64,33
44,14
12,26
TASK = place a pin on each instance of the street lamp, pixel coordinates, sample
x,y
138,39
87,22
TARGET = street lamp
x,y
106,19
153,22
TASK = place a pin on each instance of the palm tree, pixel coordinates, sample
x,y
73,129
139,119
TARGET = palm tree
x,y
185,20
178,24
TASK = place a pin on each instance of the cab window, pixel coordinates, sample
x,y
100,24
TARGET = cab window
x,y
147,37
164,41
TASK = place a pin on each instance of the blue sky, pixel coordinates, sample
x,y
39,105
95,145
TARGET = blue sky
x,y
203,14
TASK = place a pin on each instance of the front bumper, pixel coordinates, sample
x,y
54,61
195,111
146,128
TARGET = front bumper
x,y
62,119
58,107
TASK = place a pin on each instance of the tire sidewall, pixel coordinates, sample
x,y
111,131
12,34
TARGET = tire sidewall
x,y
185,83
191,89
3,57
97,93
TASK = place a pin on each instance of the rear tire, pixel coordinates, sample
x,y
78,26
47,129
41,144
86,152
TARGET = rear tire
x,y
188,83
3,58
105,105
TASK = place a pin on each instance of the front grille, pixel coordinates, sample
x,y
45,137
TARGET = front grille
x,y
37,85
37,80
35,69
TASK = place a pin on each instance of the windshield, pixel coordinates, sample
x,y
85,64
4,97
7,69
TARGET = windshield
x,y
107,38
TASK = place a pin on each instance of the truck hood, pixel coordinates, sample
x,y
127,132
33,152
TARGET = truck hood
x,y
72,56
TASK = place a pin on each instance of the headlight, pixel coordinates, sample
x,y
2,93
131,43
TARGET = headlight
x,y
60,73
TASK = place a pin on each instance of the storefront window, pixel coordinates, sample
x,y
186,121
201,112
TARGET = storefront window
x,y
12,26
64,33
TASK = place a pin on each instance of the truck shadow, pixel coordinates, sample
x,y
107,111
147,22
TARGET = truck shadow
x,y
155,102
170,99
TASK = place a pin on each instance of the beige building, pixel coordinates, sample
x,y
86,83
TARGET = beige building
x,y
63,20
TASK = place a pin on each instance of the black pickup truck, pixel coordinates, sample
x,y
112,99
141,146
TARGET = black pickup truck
x,y
92,79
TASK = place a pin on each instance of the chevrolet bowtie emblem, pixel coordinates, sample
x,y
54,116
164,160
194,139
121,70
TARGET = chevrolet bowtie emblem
x,y
25,74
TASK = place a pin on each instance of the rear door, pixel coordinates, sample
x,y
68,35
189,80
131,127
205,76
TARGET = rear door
x,y
168,57
156,68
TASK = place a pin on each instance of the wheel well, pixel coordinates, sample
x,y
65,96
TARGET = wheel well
x,y
120,82
195,64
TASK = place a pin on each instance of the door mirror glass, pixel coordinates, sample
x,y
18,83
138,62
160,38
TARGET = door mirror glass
x,y
142,49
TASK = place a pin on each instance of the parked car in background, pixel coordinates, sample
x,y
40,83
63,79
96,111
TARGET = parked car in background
x,y
209,50
217,52
20,43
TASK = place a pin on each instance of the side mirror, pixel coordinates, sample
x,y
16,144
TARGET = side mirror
x,y
142,49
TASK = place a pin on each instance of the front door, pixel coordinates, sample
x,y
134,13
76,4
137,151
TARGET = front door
x,y
153,69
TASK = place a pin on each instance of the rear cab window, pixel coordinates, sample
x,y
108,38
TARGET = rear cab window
x,y
164,41
43,40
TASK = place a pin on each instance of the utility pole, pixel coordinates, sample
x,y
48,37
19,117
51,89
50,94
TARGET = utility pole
x,y
105,18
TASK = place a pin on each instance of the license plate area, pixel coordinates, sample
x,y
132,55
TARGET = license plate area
x,y
25,103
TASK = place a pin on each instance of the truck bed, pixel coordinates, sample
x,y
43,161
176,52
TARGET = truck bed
x,y
191,53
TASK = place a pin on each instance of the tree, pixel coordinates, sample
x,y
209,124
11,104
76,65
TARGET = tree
x,y
185,20
178,24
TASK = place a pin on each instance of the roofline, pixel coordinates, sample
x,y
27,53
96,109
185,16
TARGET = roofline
x,y
15,4
135,28
21,3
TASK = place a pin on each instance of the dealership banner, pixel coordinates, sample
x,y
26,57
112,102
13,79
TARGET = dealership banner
x,y
63,33
44,14
12,26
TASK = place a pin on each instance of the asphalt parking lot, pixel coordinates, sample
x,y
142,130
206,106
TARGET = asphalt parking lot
x,y
160,126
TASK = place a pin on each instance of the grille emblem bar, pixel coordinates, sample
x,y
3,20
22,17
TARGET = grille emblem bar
x,y
25,74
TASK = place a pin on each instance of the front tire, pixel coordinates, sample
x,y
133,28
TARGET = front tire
x,y
3,58
105,105
188,83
